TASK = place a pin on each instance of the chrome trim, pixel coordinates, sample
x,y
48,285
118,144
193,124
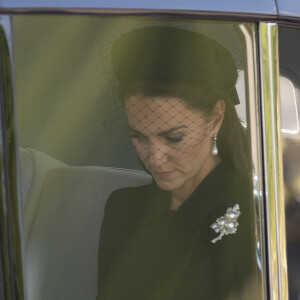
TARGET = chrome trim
x,y
188,13
179,13
268,42
254,124
10,207
267,7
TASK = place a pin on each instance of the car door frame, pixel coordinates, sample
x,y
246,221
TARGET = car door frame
x,y
266,129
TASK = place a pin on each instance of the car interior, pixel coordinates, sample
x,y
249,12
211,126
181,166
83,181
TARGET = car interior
x,y
63,210
74,148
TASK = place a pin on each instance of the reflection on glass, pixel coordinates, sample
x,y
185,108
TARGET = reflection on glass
x,y
289,48
83,91
289,110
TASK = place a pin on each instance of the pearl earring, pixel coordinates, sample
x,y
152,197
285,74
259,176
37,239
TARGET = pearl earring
x,y
214,150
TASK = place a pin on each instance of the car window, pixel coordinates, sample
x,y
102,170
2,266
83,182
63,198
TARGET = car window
x,y
90,126
289,102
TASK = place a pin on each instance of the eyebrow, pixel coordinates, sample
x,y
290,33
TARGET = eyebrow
x,y
171,130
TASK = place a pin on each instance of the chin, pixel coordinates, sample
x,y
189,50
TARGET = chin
x,y
166,186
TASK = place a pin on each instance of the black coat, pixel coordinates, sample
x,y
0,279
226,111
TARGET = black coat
x,y
148,252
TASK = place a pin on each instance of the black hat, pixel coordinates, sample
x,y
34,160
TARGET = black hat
x,y
173,55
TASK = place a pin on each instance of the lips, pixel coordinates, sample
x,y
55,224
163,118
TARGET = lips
x,y
163,174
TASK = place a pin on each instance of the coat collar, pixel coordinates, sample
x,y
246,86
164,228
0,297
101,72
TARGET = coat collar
x,y
209,196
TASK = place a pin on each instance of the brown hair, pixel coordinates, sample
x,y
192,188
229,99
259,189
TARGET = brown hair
x,y
166,61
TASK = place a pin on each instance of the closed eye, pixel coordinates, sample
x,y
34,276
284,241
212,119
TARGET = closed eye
x,y
137,136
174,140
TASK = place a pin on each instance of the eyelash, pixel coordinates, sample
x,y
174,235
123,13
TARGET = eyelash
x,y
173,140
136,136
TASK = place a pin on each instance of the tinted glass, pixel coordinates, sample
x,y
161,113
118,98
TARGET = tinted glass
x,y
289,46
113,102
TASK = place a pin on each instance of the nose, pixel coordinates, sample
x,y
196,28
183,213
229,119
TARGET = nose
x,y
157,154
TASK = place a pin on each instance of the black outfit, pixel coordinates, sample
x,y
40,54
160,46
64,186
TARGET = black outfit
x,y
148,252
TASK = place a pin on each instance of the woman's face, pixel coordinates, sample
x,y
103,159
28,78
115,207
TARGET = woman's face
x,y
173,141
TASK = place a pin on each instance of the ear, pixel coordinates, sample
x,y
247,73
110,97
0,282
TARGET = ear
x,y
217,117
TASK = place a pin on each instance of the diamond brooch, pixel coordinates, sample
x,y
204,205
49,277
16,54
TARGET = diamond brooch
x,y
227,224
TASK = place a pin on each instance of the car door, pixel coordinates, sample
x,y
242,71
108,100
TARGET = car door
x,y
65,144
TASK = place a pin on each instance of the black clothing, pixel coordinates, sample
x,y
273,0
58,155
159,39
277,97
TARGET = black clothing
x,y
148,252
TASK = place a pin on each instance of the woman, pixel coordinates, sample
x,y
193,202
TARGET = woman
x,y
162,241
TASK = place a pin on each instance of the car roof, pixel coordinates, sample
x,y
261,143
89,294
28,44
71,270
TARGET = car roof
x,y
289,8
260,8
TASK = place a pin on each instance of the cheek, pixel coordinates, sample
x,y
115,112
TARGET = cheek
x,y
182,159
188,156
193,152
190,148
140,149
195,141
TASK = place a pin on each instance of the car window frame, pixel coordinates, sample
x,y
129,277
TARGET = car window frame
x,y
264,110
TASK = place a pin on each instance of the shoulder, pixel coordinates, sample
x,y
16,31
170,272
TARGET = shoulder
x,y
121,211
238,185
121,199
237,191
119,207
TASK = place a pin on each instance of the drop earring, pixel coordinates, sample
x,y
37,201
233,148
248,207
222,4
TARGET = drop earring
x,y
214,150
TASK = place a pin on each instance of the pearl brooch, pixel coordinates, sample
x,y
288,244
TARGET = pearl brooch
x,y
227,224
